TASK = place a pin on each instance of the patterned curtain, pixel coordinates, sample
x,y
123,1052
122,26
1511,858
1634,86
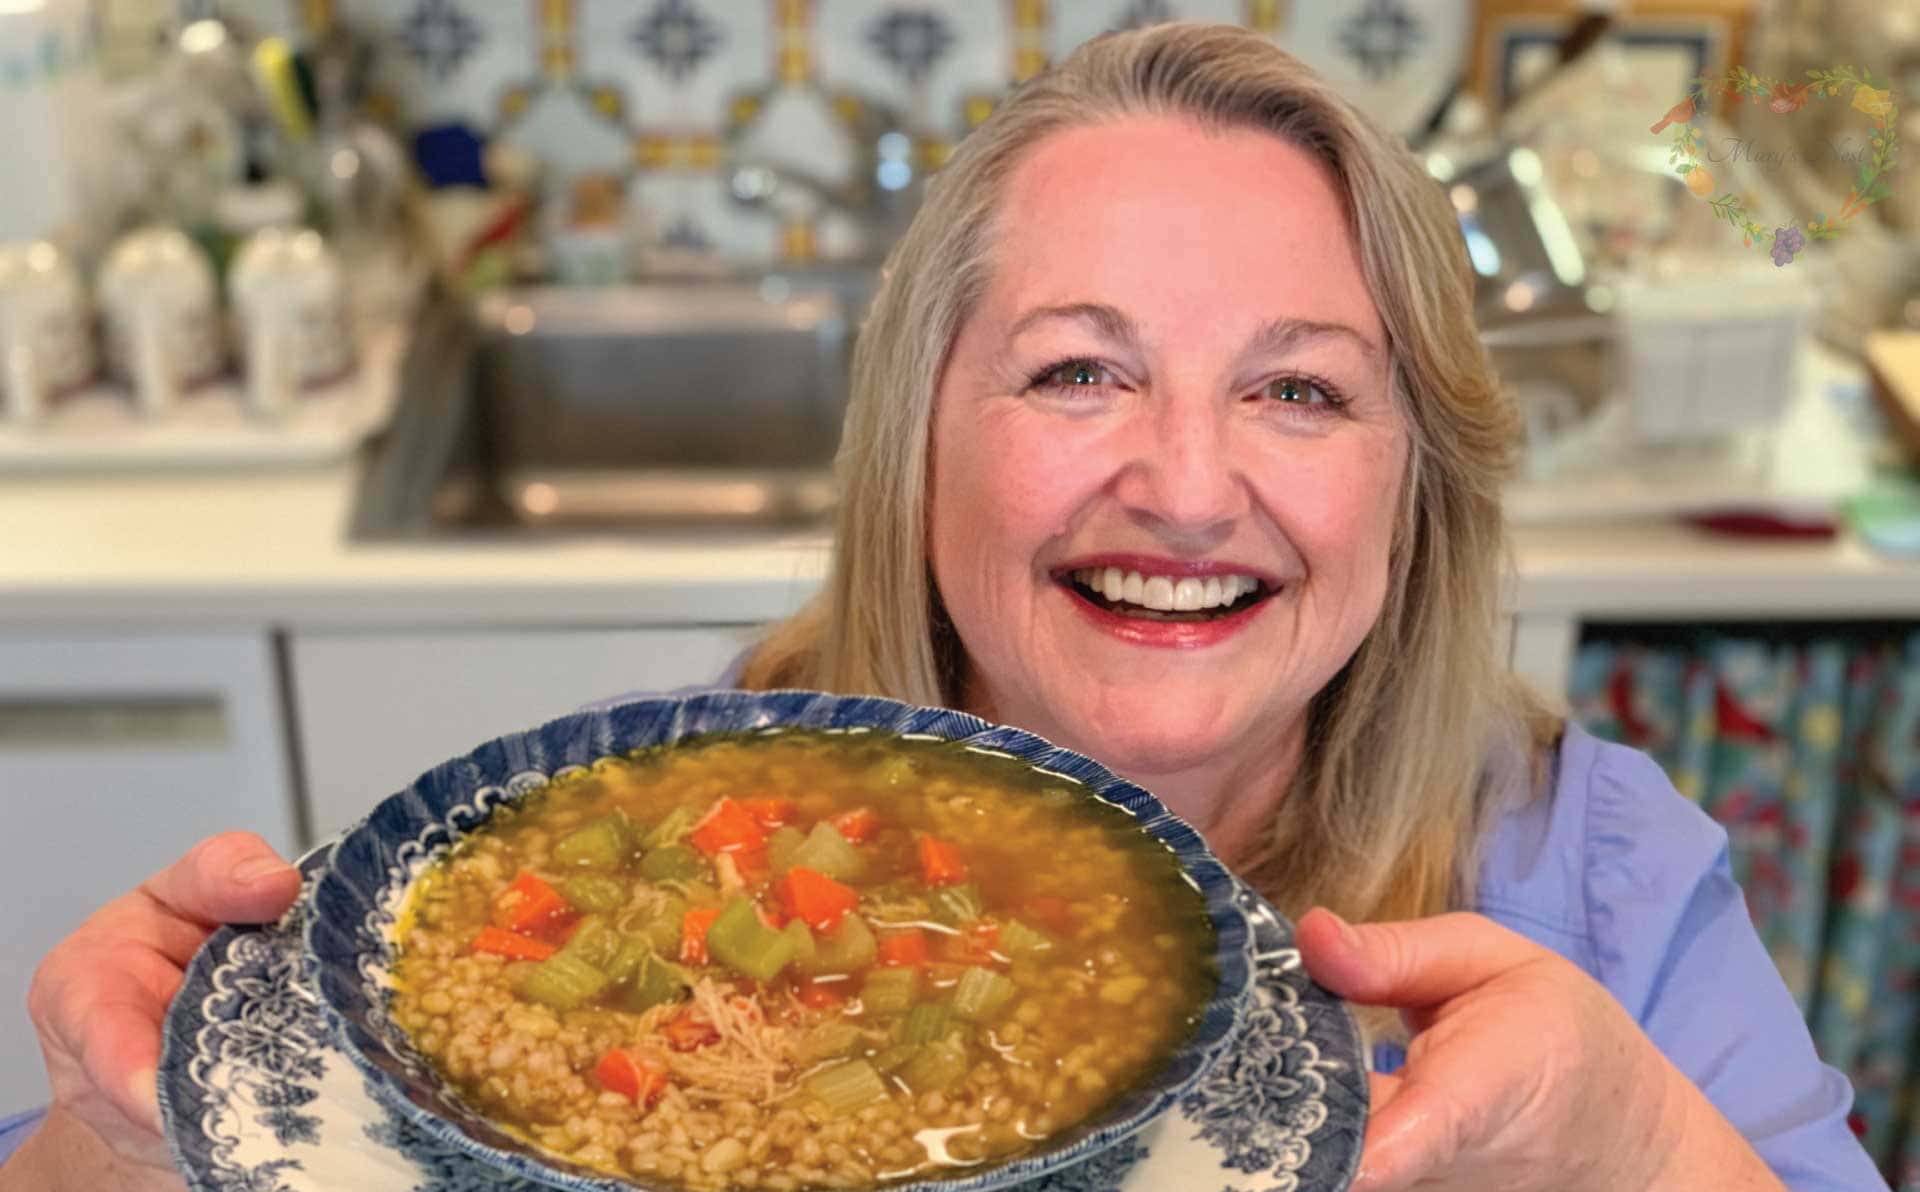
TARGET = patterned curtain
x,y
1807,748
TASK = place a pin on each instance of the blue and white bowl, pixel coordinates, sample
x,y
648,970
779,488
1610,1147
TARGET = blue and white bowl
x,y
351,932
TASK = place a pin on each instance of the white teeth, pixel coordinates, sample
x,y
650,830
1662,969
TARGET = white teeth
x,y
1165,593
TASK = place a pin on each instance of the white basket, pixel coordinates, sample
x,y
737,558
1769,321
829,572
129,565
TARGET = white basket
x,y
1712,354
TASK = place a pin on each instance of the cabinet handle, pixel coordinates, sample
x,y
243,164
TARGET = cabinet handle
x,y
190,720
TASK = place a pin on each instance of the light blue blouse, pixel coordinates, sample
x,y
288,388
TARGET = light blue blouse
x,y
1620,874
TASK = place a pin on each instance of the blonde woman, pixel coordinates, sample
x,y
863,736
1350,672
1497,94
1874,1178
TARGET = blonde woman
x,y
1171,439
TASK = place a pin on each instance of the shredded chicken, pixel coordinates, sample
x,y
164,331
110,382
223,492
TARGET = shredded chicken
x,y
752,1057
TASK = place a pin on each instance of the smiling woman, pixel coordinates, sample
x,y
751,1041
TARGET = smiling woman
x,y
1177,314
1171,438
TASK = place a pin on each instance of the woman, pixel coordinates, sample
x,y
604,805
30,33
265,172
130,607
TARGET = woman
x,y
1172,440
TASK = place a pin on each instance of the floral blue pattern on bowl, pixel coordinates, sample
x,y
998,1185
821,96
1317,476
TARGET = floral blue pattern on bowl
x,y
256,1095
356,903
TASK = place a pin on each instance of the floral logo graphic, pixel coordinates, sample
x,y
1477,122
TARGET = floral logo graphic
x,y
1872,165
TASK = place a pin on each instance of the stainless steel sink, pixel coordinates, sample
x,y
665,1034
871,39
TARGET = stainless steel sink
x,y
550,410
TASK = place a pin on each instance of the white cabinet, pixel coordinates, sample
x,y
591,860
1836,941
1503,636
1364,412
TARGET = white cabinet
x,y
375,710
117,752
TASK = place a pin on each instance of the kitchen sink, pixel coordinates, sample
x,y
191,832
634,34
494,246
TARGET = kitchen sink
x,y
555,410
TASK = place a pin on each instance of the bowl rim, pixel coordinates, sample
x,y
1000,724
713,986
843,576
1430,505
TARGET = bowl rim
x,y
1219,1019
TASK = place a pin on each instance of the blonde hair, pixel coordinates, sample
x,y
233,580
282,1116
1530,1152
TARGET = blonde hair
x,y
1423,725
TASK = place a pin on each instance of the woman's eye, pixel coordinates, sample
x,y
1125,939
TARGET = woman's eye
x,y
1074,374
1301,391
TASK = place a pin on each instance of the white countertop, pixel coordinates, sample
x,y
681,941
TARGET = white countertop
x,y
270,548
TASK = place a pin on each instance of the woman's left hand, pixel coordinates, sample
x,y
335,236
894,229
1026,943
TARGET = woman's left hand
x,y
1523,1071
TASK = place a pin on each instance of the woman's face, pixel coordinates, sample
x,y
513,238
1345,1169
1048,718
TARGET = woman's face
x,y
1165,458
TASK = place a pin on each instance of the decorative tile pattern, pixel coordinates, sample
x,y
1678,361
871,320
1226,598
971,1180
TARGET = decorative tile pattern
x,y
1381,37
911,41
439,36
677,37
678,88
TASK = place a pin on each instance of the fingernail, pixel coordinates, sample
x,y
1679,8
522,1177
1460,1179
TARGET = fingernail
x,y
1348,935
258,869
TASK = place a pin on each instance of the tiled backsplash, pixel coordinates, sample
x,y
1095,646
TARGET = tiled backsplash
x,y
655,91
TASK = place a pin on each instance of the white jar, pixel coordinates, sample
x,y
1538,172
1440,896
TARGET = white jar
x,y
290,305
46,328
163,326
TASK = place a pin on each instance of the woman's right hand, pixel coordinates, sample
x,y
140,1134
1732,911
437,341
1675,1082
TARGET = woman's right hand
x,y
99,1000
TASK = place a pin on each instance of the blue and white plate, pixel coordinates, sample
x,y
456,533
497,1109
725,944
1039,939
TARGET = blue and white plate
x,y
259,1099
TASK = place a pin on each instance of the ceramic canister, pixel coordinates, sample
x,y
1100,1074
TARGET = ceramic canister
x,y
290,300
46,328
161,304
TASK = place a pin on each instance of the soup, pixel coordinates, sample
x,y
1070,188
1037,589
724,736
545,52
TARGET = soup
x,y
801,959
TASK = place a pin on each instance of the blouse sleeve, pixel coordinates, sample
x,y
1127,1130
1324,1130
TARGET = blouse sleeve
x,y
1674,942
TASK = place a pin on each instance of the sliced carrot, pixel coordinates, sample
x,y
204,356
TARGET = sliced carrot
x,y
941,863
728,828
814,898
1051,912
496,941
693,934
769,813
903,948
977,943
856,825
686,1032
621,1072
529,904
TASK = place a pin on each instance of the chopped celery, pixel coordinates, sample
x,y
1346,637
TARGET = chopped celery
x,y
672,863
668,831
595,941
892,1057
845,1088
890,990
925,1023
981,994
829,1040
826,851
936,1067
699,893
739,940
632,953
663,930
804,949
563,981
1018,940
781,846
602,844
654,982
594,891
846,948
958,905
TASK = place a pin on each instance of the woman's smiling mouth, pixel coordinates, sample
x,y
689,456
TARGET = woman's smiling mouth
x,y
1163,597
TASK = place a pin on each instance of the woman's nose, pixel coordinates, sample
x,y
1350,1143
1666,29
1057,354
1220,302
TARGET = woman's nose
x,y
1183,479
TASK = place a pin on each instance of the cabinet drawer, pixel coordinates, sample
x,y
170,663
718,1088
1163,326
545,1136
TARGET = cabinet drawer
x,y
375,710
117,753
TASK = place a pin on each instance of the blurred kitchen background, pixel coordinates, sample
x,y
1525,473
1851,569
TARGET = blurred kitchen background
x,y
381,375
